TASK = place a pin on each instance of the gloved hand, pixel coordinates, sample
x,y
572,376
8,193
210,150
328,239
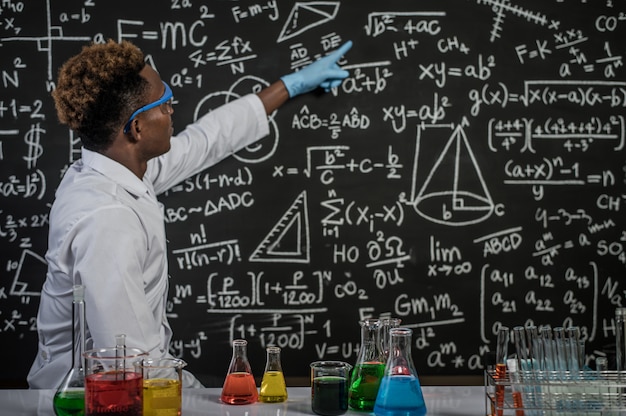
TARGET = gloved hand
x,y
323,73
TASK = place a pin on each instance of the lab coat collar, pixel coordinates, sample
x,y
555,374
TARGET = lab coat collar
x,y
114,171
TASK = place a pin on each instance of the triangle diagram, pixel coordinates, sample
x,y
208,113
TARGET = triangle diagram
x,y
288,241
306,15
31,271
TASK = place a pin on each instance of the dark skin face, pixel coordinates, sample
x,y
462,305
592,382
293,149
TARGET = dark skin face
x,y
150,131
155,128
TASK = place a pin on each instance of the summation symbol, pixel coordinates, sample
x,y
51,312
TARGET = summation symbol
x,y
500,7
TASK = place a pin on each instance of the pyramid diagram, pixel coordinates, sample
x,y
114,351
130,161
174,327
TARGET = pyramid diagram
x,y
454,191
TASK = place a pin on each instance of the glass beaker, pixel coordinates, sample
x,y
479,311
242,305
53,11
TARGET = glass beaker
x,y
369,368
69,398
329,387
112,385
273,387
400,392
239,386
162,385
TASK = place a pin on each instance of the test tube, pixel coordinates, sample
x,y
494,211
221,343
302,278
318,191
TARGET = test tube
x,y
519,337
620,339
518,402
620,350
502,346
549,350
561,351
535,347
573,334
501,355
581,354
524,366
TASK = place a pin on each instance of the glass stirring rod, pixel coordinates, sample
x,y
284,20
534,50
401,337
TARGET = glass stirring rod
x,y
120,351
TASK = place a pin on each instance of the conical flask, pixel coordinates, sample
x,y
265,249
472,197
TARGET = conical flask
x,y
273,387
69,398
239,386
385,326
400,392
369,368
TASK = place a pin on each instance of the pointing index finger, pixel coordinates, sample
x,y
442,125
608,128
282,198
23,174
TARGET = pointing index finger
x,y
342,50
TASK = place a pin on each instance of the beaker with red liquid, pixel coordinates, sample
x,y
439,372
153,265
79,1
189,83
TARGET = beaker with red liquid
x,y
112,385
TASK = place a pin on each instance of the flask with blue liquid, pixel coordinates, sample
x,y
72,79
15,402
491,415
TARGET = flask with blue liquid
x,y
400,392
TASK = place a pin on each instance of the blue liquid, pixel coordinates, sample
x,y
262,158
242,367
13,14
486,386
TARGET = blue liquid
x,y
400,396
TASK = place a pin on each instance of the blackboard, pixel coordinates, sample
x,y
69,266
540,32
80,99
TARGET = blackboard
x,y
469,174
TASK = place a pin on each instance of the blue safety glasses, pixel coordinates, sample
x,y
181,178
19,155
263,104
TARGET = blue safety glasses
x,y
165,102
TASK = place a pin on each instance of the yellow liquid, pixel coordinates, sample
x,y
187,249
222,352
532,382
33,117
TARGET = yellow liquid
x,y
273,388
161,397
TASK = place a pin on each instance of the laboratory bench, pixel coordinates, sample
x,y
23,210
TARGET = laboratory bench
x,y
440,401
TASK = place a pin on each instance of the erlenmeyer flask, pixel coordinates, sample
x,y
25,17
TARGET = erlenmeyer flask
x,y
239,386
273,387
69,398
385,326
400,392
369,368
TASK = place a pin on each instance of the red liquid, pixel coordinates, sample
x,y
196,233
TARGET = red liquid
x,y
239,388
517,402
499,376
114,393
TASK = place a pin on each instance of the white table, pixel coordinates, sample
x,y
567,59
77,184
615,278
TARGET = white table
x,y
440,401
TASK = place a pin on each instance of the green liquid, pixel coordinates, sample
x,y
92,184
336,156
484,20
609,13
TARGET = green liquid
x,y
69,403
364,386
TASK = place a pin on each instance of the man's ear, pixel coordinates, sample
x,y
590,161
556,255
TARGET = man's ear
x,y
135,126
134,131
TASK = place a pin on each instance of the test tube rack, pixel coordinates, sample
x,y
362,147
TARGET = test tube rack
x,y
562,393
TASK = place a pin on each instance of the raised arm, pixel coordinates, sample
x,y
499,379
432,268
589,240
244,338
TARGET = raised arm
x,y
324,73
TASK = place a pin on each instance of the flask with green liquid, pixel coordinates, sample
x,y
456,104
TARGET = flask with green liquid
x,y
69,399
369,368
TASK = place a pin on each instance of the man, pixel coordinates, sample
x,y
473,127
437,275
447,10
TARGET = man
x,y
106,225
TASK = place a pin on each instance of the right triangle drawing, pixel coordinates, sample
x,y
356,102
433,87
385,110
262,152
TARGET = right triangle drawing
x,y
288,241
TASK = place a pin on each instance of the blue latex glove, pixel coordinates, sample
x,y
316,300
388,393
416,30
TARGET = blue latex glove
x,y
324,73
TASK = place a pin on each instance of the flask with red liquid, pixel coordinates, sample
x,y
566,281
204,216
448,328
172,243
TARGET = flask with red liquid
x,y
239,386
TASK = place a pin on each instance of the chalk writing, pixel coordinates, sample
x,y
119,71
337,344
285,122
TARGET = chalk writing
x,y
468,174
